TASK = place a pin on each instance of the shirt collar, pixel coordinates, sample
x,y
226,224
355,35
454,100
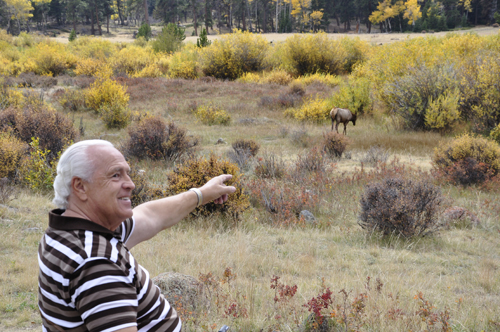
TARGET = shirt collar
x,y
58,221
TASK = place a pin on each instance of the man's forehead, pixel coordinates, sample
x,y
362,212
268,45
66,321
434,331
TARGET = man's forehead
x,y
106,157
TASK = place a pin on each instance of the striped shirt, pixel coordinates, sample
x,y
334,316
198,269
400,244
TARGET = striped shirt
x,y
89,281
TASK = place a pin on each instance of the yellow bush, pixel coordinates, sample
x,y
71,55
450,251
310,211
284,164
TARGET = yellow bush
x,y
249,78
309,54
92,47
48,58
132,60
36,171
466,146
357,52
495,134
211,115
328,79
280,77
10,97
314,109
443,111
4,36
354,95
93,67
106,92
11,151
195,172
184,63
115,115
234,54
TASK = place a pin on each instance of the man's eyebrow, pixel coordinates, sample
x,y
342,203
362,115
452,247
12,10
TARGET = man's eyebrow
x,y
119,169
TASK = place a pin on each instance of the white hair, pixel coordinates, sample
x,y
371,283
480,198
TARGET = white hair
x,y
74,162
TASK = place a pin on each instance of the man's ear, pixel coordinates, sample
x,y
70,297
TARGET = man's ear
x,y
79,188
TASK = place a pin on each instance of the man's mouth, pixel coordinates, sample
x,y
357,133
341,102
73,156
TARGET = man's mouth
x,y
124,199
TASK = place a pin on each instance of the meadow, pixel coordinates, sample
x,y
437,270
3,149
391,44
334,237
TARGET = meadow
x,y
266,271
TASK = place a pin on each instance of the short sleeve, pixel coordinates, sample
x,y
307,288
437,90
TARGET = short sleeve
x,y
104,295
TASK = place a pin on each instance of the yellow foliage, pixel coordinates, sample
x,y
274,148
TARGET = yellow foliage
x,y
10,97
132,60
443,112
93,67
184,63
328,79
115,115
312,110
48,58
249,78
106,93
11,151
309,54
234,54
211,115
467,146
280,77
354,95
93,47
36,171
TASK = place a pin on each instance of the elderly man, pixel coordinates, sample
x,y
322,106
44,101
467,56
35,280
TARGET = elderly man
x,y
89,280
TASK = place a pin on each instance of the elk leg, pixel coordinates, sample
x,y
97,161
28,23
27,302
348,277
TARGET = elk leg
x,y
337,127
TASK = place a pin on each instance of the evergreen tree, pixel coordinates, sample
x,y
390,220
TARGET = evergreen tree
x,y
170,39
72,35
145,31
203,41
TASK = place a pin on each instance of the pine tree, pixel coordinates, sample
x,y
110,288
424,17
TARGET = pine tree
x,y
72,35
203,41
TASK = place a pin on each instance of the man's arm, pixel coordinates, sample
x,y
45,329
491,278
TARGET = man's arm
x,y
154,216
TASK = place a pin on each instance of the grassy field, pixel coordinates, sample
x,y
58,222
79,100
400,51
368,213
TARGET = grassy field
x,y
453,274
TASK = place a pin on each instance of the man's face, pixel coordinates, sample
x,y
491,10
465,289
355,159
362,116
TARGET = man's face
x,y
110,188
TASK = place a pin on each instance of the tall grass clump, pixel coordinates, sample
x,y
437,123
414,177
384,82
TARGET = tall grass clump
x,y
233,55
467,160
309,54
401,207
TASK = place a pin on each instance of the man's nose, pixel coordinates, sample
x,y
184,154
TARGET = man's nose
x,y
129,184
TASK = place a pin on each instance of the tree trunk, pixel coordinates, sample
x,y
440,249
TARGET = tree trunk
x,y
97,19
249,15
243,19
74,19
120,15
107,24
92,31
194,19
146,14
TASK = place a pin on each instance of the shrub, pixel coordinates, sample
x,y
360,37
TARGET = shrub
x,y
375,155
170,39
310,54
106,92
270,166
52,130
300,137
132,60
249,78
354,95
93,67
495,134
8,191
280,77
233,55
411,95
49,58
314,109
313,161
243,145
155,139
211,115
184,64
115,115
334,144
357,52
443,111
467,160
402,207
11,151
9,97
72,100
144,191
283,202
195,172
87,47
144,31
38,171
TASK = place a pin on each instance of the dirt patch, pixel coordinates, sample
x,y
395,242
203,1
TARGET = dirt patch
x,y
375,38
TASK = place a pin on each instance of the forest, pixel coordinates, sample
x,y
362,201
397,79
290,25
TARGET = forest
x,y
222,16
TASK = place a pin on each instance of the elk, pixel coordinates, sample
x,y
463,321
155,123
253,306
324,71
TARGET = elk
x,y
341,115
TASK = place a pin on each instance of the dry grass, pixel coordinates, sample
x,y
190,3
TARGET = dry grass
x,y
457,269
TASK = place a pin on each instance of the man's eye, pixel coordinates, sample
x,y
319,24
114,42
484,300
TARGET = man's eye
x,y
116,175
